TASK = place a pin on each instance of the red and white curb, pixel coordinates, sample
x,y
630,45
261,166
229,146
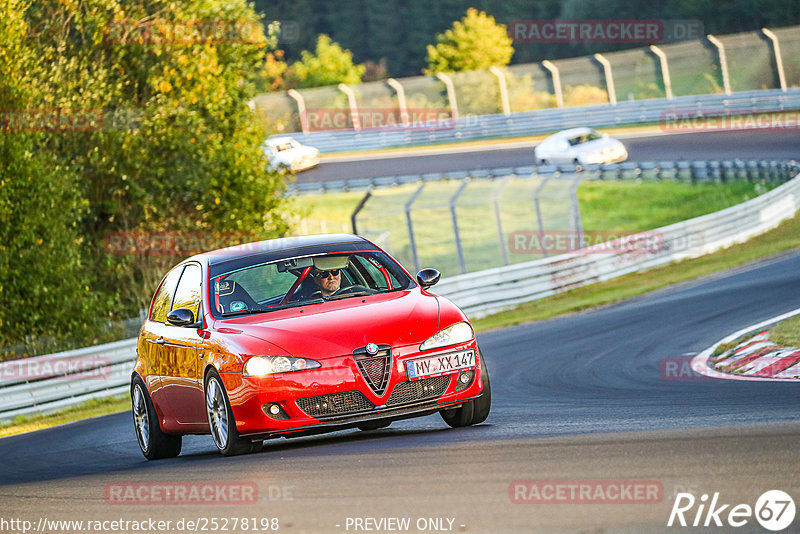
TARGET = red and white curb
x,y
756,359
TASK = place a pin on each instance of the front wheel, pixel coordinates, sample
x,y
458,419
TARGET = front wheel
x,y
153,443
221,420
475,411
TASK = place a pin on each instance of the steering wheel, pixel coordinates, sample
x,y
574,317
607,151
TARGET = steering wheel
x,y
352,289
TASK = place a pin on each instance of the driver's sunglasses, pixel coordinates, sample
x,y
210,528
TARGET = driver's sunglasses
x,y
326,274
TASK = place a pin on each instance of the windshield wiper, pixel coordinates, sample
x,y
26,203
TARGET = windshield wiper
x,y
361,293
243,312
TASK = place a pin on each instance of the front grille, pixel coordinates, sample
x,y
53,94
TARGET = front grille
x,y
335,404
375,369
427,388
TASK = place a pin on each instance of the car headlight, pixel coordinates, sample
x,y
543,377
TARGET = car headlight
x,y
452,335
269,365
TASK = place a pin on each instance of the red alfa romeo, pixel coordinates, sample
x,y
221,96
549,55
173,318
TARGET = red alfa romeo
x,y
297,336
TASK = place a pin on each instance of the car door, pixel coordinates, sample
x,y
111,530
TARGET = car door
x,y
151,347
182,352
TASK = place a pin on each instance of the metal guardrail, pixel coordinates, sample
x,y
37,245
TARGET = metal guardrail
x,y
652,111
45,384
49,383
690,171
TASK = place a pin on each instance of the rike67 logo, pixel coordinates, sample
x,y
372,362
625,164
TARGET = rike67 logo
x,y
774,510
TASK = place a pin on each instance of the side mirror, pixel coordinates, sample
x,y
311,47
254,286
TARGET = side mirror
x,y
181,317
428,277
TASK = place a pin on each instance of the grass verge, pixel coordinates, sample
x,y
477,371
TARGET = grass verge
x,y
92,408
787,333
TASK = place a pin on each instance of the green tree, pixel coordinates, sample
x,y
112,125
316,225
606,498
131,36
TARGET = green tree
x,y
475,42
44,284
328,65
175,146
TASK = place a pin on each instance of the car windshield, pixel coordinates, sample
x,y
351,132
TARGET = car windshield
x,y
284,146
300,281
585,138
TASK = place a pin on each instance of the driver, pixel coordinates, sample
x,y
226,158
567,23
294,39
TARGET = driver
x,y
328,281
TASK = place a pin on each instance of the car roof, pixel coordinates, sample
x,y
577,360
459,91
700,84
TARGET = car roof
x,y
231,258
571,132
275,141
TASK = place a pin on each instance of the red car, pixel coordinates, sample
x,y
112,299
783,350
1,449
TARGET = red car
x,y
297,336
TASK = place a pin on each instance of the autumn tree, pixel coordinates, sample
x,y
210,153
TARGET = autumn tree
x,y
475,42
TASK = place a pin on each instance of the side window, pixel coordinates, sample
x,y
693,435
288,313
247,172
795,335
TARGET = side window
x,y
163,299
188,292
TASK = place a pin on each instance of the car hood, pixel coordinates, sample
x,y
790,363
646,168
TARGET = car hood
x,y
337,328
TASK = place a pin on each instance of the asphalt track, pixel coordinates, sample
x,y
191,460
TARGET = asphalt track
x,y
578,398
759,144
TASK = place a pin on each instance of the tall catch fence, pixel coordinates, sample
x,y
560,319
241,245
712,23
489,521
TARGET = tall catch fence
x,y
749,61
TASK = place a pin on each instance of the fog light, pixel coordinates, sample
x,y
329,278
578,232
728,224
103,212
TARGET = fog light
x,y
274,411
465,378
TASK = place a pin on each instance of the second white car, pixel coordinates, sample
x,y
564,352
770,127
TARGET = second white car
x,y
580,146
288,153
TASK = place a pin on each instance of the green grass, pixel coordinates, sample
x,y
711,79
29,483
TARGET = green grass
x,y
787,333
92,408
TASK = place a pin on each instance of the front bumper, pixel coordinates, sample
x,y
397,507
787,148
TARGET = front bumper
x,y
338,395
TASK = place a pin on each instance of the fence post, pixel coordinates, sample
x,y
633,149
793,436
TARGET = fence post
x,y
723,62
539,219
401,99
612,93
776,50
411,238
360,206
556,82
662,59
501,80
459,247
351,99
451,93
501,236
574,208
301,109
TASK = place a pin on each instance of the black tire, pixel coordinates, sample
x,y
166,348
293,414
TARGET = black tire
x,y
475,411
483,404
153,443
221,421
458,417
373,425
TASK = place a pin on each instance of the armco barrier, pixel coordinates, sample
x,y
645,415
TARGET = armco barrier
x,y
690,171
48,383
543,121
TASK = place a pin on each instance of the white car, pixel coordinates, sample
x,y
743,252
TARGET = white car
x,y
580,146
290,154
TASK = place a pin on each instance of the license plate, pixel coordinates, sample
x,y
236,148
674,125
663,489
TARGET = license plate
x,y
440,365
